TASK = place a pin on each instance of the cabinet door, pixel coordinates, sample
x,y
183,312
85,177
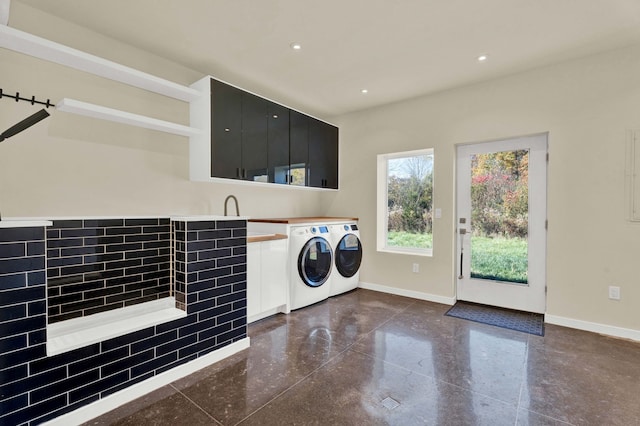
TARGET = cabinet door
x,y
298,148
278,140
254,137
254,274
226,130
274,269
323,154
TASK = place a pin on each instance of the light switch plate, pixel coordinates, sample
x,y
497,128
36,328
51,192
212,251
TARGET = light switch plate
x,y
614,292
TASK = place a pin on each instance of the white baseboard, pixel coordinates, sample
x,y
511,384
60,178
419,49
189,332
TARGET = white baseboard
x,y
106,404
625,333
267,313
610,330
408,293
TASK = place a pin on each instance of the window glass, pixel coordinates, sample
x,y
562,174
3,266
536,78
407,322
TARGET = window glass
x,y
405,202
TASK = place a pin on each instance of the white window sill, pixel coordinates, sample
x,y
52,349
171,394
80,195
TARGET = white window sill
x,y
75,333
408,251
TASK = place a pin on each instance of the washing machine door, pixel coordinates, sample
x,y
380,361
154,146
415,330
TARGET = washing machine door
x,y
314,262
348,255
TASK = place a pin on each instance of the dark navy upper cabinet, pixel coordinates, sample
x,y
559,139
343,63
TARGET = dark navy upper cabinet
x,y
299,148
323,154
254,138
278,141
226,130
238,133
258,140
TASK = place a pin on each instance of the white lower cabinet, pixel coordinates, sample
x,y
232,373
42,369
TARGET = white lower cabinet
x,y
267,284
253,279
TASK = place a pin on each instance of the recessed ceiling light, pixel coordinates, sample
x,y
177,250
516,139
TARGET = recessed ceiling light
x,y
482,58
296,46
364,91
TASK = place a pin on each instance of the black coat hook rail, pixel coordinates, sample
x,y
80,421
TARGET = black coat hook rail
x,y
33,100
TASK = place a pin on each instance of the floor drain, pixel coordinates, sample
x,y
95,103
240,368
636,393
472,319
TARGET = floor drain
x,y
390,403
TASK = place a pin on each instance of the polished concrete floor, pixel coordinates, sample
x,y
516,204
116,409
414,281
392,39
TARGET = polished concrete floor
x,y
368,358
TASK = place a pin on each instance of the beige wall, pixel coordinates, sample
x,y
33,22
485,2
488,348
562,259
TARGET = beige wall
x,y
586,105
69,165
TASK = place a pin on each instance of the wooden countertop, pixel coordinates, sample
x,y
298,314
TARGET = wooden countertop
x,y
297,220
267,237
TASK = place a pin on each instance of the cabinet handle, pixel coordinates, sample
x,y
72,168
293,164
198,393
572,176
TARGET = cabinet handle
x,y
237,172
244,173
290,178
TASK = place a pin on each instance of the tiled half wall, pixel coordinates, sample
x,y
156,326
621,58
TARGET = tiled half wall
x,y
96,265
35,387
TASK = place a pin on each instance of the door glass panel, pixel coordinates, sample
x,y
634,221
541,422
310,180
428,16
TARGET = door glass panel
x,y
314,263
500,216
348,255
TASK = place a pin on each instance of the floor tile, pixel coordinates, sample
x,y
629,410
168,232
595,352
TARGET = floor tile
x,y
571,341
351,389
582,387
164,406
529,418
487,360
372,299
276,360
338,321
368,358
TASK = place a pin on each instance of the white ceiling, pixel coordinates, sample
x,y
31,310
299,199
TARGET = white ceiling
x,y
396,49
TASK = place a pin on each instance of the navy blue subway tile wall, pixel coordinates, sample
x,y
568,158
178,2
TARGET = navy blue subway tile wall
x,y
179,275
35,387
95,265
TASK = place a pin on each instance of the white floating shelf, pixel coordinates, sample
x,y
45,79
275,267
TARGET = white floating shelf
x,y
26,43
96,111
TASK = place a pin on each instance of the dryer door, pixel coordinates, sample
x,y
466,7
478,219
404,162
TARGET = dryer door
x,y
348,255
314,262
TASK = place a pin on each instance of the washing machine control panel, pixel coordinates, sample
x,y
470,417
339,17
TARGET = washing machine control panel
x,y
319,229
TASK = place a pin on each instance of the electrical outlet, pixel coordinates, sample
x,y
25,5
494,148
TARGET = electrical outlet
x,y
614,292
416,268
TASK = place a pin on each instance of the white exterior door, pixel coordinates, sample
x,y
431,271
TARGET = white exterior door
x,y
501,223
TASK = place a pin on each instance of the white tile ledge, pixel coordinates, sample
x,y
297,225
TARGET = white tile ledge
x,y
176,218
51,218
24,223
75,333
206,218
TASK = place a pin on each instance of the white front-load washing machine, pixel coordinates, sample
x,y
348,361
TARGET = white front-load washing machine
x,y
311,263
347,255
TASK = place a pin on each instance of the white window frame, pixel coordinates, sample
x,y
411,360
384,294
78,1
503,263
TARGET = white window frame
x,y
382,203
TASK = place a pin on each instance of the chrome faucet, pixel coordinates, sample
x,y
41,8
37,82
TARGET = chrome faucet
x,y
235,200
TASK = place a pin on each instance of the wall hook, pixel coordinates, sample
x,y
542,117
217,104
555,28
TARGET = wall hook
x,y
33,100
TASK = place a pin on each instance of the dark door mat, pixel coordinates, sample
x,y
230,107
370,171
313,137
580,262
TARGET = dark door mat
x,y
526,322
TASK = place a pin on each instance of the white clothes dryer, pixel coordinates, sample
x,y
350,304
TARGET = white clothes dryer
x,y
347,255
311,263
